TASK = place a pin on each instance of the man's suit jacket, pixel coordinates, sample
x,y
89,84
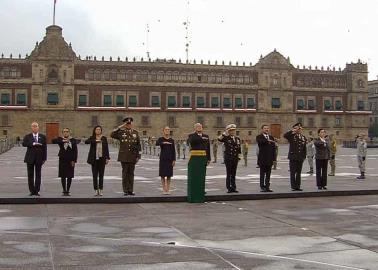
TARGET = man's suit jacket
x,y
92,149
322,150
197,142
267,150
69,154
35,154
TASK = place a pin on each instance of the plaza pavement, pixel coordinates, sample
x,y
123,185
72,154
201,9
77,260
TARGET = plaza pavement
x,y
327,233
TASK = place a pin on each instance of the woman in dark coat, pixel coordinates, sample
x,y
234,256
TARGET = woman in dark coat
x,y
167,159
322,153
98,157
67,159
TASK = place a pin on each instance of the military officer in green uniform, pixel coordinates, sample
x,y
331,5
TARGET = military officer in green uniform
x,y
129,152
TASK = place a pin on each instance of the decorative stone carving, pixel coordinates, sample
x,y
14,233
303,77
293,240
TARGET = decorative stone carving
x,y
53,47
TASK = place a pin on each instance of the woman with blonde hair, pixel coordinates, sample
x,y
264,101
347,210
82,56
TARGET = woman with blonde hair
x,y
167,159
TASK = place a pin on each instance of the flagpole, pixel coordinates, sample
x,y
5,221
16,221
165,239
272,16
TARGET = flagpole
x,y
54,13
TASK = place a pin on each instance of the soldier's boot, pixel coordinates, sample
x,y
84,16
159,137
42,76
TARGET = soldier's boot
x,y
362,176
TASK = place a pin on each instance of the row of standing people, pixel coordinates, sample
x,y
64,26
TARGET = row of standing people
x,y
130,153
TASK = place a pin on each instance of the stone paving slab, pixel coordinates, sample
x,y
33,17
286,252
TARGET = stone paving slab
x,y
312,233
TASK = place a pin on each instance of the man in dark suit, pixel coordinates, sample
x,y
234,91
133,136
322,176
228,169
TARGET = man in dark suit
x,y
35,157
130,151
296,155
267,154
199,141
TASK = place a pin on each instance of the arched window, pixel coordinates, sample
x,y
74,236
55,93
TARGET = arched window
x,y
14,73
113,75
91,74
6,72
106,75
53,72
98,75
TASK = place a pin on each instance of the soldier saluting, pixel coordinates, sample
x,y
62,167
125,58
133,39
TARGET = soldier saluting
x,y
296,155
129,152
232,150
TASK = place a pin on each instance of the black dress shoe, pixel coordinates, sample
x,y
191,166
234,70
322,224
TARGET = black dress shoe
x,y
324,188
229,191
125,194
263,190
235,191
299,189
131,193
269,190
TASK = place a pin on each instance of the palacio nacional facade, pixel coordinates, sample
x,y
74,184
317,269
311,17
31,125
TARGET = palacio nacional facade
x,y
57,88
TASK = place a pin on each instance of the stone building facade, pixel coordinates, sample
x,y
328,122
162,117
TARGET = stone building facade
x,y
59,89
373,102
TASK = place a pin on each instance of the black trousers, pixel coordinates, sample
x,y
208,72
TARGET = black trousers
x,y
128,176
321,172
231,166
66,183
265,176
295,173
98,170
34,184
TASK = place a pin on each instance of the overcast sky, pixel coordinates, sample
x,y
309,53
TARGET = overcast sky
x,y
317,33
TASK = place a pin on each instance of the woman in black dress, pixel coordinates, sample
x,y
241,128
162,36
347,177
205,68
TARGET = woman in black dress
x,y
98,157
67,159
167,159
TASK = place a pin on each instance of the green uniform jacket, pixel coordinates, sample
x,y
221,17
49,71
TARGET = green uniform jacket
x,y
129,145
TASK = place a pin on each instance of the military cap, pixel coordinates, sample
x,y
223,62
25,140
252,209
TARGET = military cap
x,y
297,125
128,120
230,127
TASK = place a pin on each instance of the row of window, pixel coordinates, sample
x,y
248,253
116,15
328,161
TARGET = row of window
x,y
172,102
325,121
304,81
215,102
10,73
115,75
218,121
5,99
329,104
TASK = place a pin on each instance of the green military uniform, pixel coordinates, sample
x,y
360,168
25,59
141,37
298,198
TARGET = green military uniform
x,y
215,150
333,150
129,154
245,147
